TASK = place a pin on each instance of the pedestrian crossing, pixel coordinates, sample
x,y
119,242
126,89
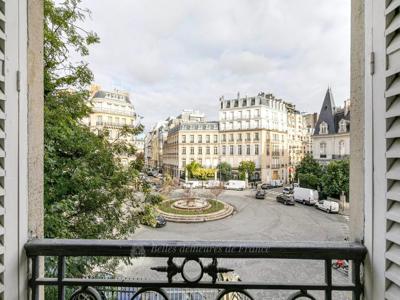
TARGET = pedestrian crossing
x,y
274,192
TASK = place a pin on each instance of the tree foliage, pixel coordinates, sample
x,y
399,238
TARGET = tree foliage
x,y
204,173
308,165
225,171
336,178
192,167
309,181
88,193
246,167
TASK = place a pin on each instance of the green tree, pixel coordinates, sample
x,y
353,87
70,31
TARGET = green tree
x,y
336,178
225,171
192,167
203,173
309,181
246,167
87,191
308,165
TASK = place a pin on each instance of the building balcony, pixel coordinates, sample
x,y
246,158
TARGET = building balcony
x,y
111,111
193,270
114,124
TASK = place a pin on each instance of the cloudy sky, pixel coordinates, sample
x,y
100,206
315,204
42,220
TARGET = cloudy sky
x,y
180,54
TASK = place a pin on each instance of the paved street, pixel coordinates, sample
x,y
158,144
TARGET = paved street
x,y
257,220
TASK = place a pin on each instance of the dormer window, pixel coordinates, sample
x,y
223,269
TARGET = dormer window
x,y
342,126
323,128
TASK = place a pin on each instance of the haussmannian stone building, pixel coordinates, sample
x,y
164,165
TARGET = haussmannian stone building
x,y
263,129
258,129
191,141
111,111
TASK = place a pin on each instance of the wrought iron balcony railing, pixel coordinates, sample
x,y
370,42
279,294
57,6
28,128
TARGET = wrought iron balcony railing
x,y
178,260
120,112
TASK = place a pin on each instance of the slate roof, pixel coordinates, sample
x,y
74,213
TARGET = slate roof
x,y
102,94
331,115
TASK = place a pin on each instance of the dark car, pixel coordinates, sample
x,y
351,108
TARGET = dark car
x,y
161,222
285,199
260,194
287,190
266,186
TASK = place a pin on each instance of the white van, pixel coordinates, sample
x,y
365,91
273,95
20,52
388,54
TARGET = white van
x,y
238,185
276,183
328,206
305,196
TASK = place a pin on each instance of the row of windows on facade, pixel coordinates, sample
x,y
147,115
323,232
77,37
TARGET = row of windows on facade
x,y
342,148
115,96
111,120
323,127
239,137
251,125
240,115
236,150
112,106
252,101
200,126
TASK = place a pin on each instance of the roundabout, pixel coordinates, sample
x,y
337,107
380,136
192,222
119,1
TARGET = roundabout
x,y
194,210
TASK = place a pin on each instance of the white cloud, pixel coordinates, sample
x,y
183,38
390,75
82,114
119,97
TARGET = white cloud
x,y
180,54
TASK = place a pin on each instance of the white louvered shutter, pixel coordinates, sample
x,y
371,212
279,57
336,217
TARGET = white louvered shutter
x,y
2,136
392,77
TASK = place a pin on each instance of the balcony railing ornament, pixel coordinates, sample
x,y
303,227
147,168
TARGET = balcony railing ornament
x,y
234,295
300,295
86,293
173,269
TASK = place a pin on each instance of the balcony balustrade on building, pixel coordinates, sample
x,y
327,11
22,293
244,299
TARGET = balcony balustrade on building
x,y
120,112
114,124
192,269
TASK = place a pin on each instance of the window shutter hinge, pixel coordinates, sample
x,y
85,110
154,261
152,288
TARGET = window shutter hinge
x,y
18,81
372,63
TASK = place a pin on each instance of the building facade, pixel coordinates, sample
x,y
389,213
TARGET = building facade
x,y
310,120
188,142
266,130
154,142
111,111
331,138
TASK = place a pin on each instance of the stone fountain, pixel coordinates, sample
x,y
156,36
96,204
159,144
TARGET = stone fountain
x,y
190,202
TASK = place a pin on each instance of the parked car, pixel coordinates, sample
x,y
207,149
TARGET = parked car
x,y
287,190
266,186
328,206
305,196
260,194
161,222
285,199
152,173
239,185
